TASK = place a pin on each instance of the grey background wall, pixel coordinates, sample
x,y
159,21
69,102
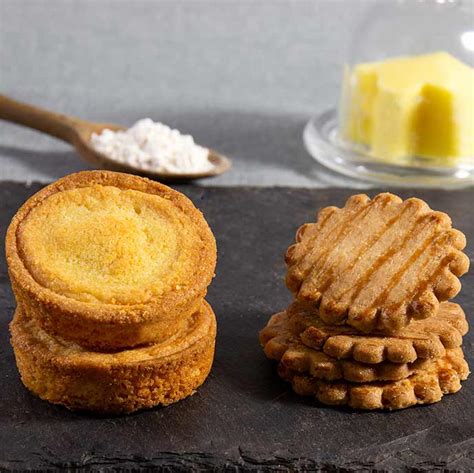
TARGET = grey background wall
x,y
242,76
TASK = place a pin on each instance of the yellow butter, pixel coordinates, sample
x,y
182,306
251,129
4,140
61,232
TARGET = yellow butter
x,y
411,106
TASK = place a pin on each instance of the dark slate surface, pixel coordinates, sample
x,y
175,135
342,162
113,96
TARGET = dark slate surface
x,y
244,416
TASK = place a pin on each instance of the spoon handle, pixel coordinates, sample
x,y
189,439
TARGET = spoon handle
x,y
54,124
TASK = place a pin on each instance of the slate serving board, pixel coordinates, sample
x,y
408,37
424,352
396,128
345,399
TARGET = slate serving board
x,y
244,416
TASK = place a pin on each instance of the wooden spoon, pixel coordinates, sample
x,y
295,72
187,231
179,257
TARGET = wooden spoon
x,y
78,133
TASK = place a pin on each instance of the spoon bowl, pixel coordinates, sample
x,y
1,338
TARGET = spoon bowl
x,y
79,132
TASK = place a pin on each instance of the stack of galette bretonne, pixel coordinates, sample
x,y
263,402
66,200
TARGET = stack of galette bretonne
x,y
110,272
370,325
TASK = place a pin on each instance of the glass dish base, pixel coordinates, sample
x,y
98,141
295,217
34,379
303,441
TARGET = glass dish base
x,y
321,141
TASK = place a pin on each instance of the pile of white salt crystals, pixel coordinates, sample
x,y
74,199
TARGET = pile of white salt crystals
x,y
153,146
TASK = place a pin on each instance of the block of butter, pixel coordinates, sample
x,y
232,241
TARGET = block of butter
x,y
411,106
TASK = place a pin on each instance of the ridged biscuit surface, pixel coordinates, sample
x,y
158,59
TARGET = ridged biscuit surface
x,y
376,264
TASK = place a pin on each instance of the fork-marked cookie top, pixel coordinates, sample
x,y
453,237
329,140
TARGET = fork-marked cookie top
x,y
376,264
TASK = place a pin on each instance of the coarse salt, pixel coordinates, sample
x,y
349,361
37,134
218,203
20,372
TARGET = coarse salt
x,y
153,146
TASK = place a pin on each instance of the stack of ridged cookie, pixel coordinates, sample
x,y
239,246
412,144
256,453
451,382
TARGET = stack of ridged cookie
x,y
110,272
370,325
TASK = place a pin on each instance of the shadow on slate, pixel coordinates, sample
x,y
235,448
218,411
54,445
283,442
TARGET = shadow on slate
x,y
243,416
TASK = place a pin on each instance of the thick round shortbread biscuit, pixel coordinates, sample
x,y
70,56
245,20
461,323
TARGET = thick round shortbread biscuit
x,y
63,372
110,260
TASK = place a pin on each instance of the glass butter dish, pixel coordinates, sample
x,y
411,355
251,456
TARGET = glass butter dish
x,y
406,108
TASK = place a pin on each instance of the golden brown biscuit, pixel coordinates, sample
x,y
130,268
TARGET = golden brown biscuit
x,y
376,264
317,364
110,260
276,336
428,386
281,344
426,338
63,372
